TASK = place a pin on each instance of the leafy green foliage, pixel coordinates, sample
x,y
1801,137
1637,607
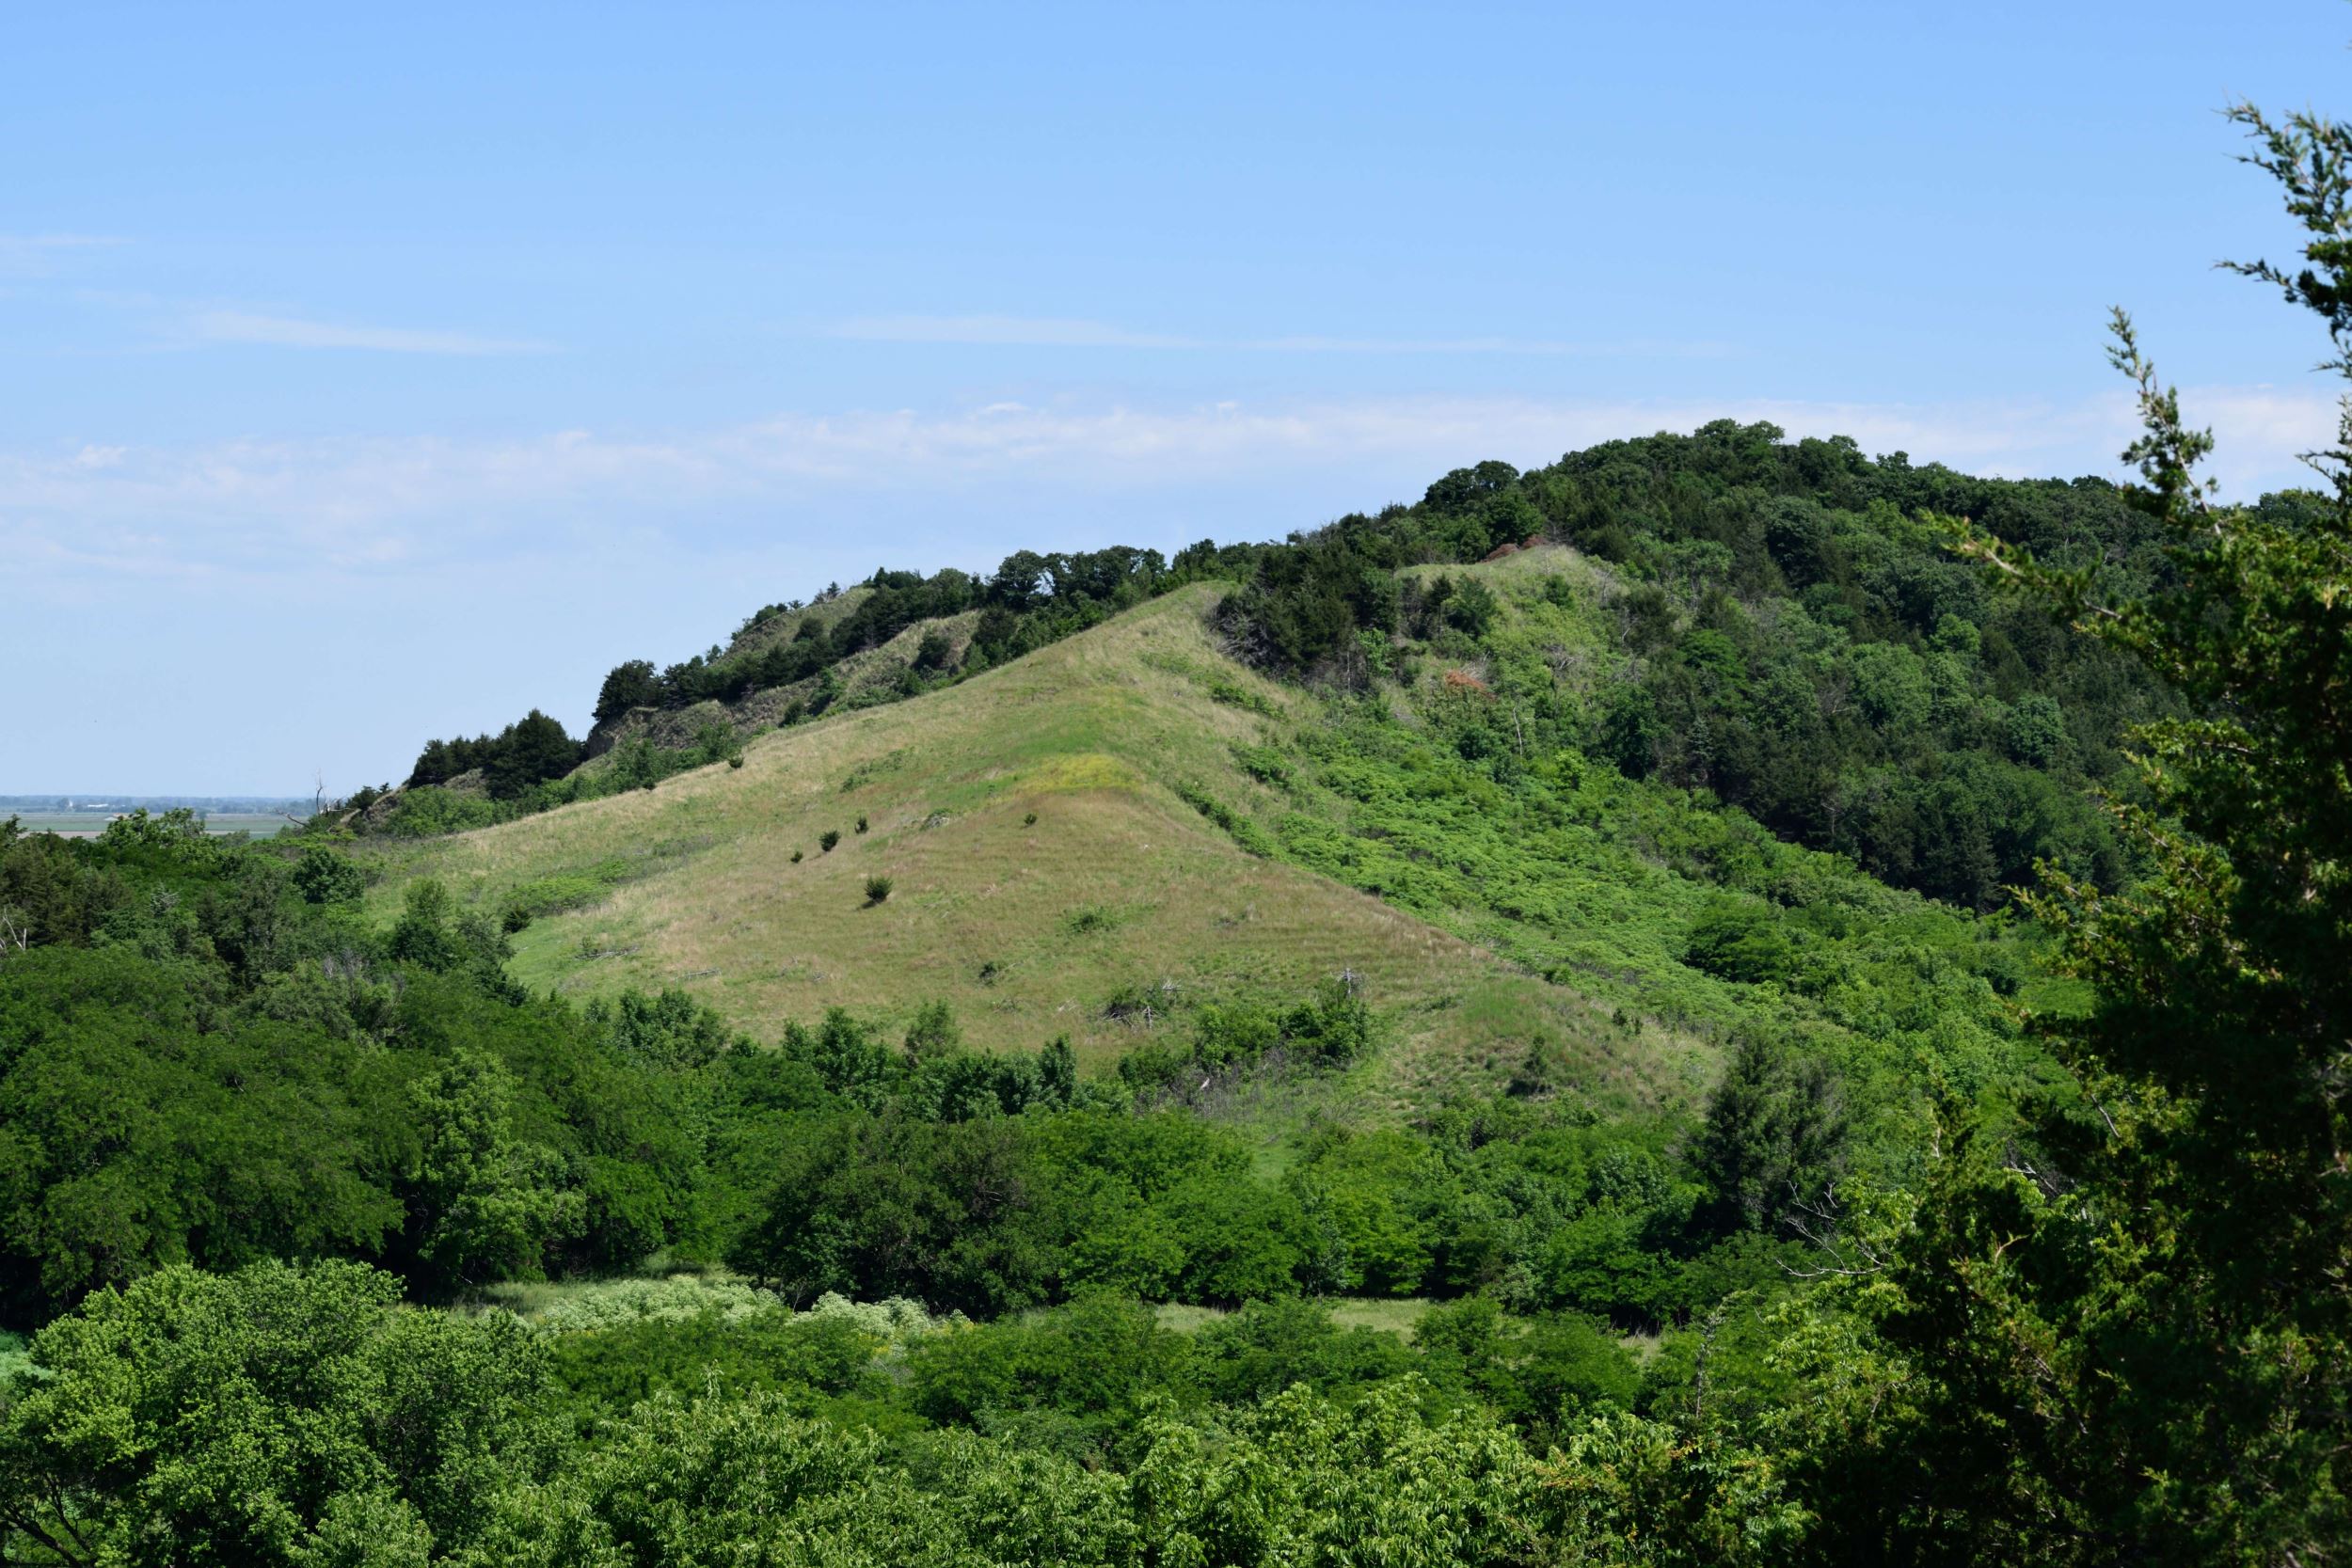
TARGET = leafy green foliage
x,y
1247,834
933,1033
548,895
1775,1140
948,1213
222,1071
1334,1029
2128,1337
487,1205
323,877
810,1357
670,1031
1663,903
273,1416
1738,940
631,684
1796,641
148,1126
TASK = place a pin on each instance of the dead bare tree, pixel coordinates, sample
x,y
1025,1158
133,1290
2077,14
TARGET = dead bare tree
x,y
1849,1256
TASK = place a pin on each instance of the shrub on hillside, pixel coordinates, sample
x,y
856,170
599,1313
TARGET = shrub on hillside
x,y
325,877
1736,939
554,895
1246,834
934,1033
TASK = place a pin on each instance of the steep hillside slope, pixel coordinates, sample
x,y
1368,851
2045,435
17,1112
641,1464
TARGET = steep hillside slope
x,y
1455,789
1049,876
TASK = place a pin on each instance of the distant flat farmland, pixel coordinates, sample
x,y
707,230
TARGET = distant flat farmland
x,y
85,824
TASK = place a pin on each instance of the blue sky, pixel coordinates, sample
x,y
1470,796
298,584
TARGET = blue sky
x,y
372,377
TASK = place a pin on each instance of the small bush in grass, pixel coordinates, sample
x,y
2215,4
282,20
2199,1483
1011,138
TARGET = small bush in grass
x,y
935,652
796,857
735,762
934,1033
990,972
877,889
828,840
574,890
1265,765
1223,691
860,822
1030,820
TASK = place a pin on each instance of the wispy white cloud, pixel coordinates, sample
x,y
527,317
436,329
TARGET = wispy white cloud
x,y
37,255
1006,331
1538,346
241,327
29,244
264,509
1062,332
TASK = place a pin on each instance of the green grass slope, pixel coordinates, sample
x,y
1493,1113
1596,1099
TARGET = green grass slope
x,y
1124,902
1457,790
1520,911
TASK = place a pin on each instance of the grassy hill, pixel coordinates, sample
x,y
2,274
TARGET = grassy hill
x,y
1119,905
1628,1033
1503,853
1103,837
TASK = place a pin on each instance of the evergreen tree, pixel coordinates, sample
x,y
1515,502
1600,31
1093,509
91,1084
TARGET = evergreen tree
x,y
2128,1337
533,749
1775,1133
633,684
